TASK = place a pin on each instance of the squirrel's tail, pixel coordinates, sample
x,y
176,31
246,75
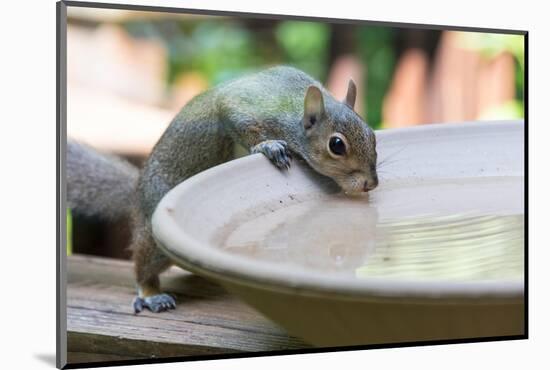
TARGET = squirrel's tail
x,y
99,185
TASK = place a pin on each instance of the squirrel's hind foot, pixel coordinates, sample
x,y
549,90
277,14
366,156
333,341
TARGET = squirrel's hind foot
x,y
277,152
156,303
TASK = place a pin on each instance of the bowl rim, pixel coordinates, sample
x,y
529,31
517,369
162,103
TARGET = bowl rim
x,y
208,260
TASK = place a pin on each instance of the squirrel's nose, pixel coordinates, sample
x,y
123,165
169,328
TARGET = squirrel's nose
x,y
369,185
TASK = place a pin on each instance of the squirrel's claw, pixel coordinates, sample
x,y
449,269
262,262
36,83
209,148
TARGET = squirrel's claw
x,y
277,152
155,303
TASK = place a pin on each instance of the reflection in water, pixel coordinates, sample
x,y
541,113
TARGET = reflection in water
x,y
454,247
330,235
462,234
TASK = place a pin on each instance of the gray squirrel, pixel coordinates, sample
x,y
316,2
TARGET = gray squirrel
x,y
280,112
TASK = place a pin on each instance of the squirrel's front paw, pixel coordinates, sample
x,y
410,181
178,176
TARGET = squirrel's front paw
x,y
155,303
276,150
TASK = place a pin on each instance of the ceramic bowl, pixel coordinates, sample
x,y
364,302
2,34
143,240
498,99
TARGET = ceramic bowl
x,y
319,303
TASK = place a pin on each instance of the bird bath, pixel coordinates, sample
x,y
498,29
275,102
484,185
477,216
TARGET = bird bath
x,y
435,252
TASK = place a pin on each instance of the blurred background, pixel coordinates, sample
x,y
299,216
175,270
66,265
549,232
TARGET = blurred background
x,y
130,72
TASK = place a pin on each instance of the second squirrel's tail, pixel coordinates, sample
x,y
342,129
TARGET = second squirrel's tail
x,y
99,185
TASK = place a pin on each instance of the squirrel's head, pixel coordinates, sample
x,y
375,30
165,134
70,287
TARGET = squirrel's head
x,y
340,144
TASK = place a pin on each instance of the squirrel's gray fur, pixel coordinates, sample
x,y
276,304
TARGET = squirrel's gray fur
x,y
99,185
279,112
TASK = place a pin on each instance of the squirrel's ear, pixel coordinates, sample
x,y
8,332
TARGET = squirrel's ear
x,y
351,94
314,106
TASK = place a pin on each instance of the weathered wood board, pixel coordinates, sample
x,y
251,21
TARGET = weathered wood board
x,y
101,324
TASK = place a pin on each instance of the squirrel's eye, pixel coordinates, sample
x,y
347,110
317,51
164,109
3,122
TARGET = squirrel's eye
x,y
337,145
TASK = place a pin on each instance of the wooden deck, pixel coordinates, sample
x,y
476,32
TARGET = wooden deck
x,y
102,326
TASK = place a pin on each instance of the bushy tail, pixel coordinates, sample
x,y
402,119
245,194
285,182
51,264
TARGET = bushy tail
x,y
99,185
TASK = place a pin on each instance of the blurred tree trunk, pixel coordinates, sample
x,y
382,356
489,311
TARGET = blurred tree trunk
x,y
496,84
406,101
345,64
451,96
462,85
465,84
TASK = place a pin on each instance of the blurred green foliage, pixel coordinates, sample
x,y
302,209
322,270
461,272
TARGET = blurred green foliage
x,y
490,45
221,49
376,48
224,50
217,50
69,233
305,45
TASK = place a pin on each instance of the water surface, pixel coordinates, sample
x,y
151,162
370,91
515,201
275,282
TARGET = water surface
x,y
450,229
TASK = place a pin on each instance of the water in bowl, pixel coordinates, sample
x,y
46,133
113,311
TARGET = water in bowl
x,y
450,229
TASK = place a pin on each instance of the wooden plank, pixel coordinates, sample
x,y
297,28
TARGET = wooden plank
x,y
208,320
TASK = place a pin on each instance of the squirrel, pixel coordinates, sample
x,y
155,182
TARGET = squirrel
x,y
280,112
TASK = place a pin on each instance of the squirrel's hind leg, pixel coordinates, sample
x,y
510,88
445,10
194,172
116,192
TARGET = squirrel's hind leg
x,y
149,263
